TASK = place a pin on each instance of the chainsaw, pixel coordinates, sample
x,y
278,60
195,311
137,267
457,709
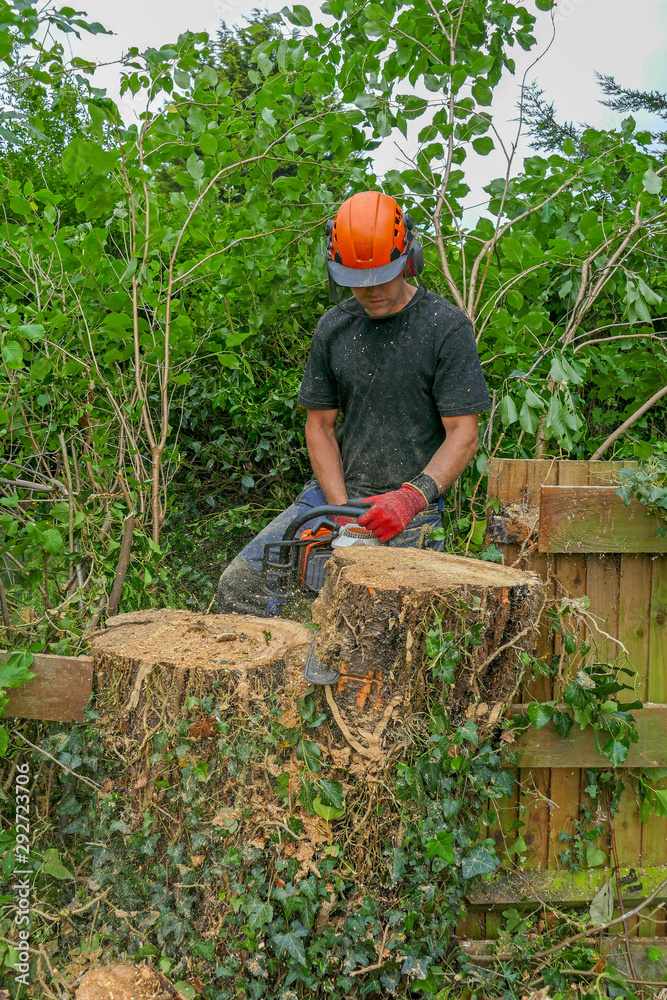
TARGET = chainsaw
x,y
295,563
298,562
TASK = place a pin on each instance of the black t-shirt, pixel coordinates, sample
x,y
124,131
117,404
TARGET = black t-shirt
x,y
393,378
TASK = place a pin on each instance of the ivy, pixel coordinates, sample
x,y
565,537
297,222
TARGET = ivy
x,y
648,484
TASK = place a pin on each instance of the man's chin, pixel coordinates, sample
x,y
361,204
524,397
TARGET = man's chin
x,y
379,309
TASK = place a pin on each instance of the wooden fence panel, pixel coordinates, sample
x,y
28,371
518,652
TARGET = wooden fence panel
x,y
627,588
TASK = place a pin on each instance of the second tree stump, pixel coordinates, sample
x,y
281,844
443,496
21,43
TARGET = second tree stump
x,y
376,609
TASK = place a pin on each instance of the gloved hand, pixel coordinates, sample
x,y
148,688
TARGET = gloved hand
x,y
341,520
392,512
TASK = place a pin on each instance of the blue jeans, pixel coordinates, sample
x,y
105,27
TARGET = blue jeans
x,y
243,589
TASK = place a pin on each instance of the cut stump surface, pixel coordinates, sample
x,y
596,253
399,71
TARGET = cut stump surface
x,y
125,982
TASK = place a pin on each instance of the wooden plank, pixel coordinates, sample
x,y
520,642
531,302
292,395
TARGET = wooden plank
x,y
602,589
510,487
485,953
654,833
566,781
634,623
566,888
539,748
657,671
472,927
594,519
633,631
58,692
536,782
608,473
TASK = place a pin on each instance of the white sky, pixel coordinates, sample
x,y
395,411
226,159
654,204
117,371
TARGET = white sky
x,y
628,40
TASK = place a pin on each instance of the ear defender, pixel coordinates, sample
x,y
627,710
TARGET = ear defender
x,y
414,250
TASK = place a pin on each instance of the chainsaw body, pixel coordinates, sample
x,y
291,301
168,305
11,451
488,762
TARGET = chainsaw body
x,y
298,562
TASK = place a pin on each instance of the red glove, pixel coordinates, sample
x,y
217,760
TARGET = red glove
x,y
341,520
392,512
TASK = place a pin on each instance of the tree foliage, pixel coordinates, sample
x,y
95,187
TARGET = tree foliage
x,y
161,279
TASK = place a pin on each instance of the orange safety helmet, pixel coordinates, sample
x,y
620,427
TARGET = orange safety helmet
x,y
371,242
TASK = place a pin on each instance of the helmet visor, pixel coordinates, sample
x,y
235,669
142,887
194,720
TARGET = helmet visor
x,y
366,277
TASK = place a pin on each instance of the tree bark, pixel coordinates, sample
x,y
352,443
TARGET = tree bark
x,y
154,669
376,609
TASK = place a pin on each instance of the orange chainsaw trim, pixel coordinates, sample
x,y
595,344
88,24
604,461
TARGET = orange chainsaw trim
x,y
318,539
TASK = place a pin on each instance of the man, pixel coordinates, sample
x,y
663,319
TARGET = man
x,y
400,363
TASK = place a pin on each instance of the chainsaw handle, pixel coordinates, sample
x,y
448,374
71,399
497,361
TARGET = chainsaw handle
x,y
353,508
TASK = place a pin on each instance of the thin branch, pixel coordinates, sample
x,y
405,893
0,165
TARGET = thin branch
x,y
123,563
622,336
80,777
599,452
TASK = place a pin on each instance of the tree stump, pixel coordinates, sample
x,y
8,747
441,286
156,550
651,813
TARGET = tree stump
x,y
375,610
150,665
125,982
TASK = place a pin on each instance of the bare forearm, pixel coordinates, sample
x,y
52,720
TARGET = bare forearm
x,y
451,458
327,463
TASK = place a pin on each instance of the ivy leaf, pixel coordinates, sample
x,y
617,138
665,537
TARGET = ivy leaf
x,y
563,723
615,752
595,857
331,794
441,846
538,714
480,862
291,943
309,754
469,732
504,782
260,914
415,968
326,812
54,866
